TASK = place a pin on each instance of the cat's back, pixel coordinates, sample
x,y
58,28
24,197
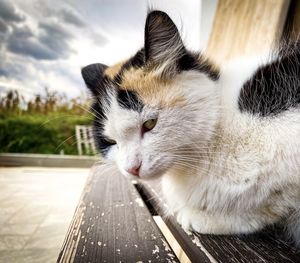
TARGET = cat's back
x,y
261,110
265,85
261,95
274,86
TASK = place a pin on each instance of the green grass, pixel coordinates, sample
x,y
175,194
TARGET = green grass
x,y
34,133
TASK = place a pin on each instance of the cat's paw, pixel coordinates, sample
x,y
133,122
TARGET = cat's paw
x,y
192,220
201,222
184,219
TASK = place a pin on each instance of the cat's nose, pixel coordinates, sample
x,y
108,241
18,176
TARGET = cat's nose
x,y
135,170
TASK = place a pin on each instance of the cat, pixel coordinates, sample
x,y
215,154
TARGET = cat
x,y
225,140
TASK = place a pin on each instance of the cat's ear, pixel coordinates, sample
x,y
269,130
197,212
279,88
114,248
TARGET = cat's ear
x,y
93,77
162,39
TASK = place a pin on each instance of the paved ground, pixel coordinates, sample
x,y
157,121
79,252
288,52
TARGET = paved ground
x,y
36,207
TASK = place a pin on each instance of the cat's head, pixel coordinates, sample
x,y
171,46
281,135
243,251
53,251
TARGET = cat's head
x,y
155,107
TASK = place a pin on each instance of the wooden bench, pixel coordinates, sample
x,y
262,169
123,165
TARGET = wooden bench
x,y
115,221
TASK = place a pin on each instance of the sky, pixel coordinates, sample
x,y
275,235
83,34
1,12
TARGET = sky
x,y
45,43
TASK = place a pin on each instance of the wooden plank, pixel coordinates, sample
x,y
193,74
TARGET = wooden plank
x,y
112,224
246,27
260,247
265,246
150,190
293,21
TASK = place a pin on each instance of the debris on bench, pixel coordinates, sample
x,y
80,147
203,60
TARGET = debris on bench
x,y
114,223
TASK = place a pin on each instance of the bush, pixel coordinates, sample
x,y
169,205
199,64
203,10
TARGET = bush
x,y
40,133
46,124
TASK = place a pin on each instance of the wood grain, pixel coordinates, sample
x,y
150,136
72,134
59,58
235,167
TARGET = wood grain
x,y
112,224
246,27
293,20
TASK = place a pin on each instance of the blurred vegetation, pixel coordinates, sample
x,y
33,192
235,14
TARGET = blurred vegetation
x,y
45,124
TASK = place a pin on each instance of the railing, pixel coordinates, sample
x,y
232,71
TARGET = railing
x,y
85,140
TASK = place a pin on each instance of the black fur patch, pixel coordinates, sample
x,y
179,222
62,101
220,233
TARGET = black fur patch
x,y
162,38
160,30
102,144
273,88
93,77
163,41
126,99
129,100
190,61
100,85
98,127
137,61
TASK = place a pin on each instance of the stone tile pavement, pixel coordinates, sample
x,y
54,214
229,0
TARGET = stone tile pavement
x,y
36,207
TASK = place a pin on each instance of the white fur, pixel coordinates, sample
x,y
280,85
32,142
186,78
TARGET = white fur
x,y
231,187
224,171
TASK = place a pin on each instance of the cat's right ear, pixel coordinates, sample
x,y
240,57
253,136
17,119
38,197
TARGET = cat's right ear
x,y
163,42
93,77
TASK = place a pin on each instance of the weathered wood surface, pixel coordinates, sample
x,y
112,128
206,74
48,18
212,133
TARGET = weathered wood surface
x,y
112,224
293,20
246,27
265,246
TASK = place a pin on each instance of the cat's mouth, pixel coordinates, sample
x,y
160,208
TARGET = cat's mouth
x,y
142,177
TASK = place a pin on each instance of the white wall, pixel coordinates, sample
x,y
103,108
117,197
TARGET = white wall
x,y
194,18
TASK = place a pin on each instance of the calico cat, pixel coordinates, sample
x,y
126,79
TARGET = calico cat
x,y
225,140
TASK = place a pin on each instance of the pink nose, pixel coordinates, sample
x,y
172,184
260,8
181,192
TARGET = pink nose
x,y
135,170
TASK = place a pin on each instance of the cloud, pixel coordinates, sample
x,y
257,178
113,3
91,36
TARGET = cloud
x,y
16,72
55,30
43,32
50,43
22,31
71,17
4,72
9,13
3,26
30,47
56,38
31,79
45,43
41,38
98,39
14,67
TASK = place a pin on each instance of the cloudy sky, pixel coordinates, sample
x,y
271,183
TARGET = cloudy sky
x,y
46,42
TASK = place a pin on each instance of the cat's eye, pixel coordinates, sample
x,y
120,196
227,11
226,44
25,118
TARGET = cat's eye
x,y
110,141
149,125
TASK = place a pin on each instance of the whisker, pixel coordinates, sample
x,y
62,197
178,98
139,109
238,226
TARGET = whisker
x,y
64,141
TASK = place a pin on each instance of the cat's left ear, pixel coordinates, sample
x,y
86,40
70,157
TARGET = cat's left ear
x,y
93,77
163,43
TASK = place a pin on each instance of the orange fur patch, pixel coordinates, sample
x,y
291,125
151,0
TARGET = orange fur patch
x,y
148,84
112,71
152,89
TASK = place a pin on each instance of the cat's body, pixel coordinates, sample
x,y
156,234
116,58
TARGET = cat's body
x,y
247,176
225,141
